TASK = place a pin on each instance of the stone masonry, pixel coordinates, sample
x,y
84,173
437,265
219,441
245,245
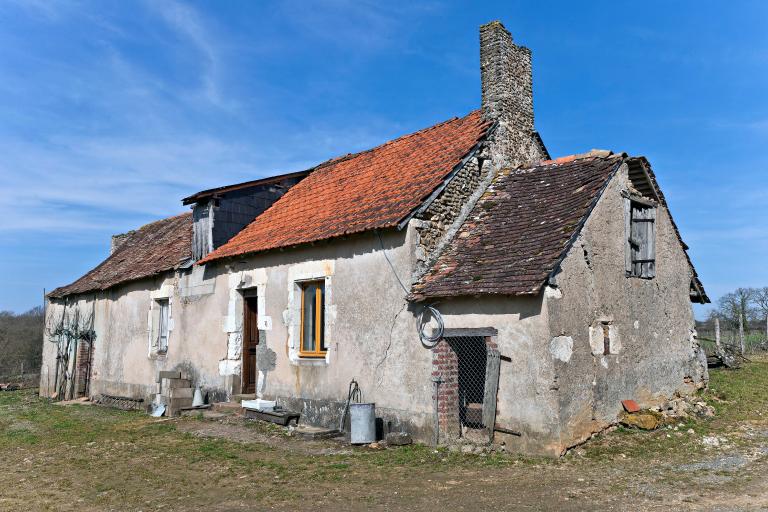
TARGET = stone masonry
x,y
507,96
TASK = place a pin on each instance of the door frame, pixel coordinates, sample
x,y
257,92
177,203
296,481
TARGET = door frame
x,y
249,296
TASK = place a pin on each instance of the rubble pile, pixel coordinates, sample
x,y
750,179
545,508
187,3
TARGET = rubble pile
x,y
671,411
685,407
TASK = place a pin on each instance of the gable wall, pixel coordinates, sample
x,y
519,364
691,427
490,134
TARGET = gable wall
x,y
652,320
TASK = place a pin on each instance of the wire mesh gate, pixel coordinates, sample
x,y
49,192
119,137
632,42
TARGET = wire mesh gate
x,y
466,376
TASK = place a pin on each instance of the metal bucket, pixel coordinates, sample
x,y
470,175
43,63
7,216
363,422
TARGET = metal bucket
x,y
362,423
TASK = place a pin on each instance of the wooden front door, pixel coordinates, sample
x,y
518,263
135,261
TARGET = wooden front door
x,y
250,342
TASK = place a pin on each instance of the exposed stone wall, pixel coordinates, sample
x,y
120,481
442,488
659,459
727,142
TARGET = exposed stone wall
x,y
436,226
507,97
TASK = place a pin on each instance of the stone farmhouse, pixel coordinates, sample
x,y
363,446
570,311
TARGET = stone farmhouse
x,y
475,288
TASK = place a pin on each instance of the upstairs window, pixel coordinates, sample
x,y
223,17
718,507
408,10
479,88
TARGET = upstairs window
x,y
640,221
312,319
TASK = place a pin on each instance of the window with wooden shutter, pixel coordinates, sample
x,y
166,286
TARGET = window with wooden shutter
x,y
640,221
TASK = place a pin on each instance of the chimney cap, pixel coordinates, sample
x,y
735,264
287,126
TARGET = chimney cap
x,y
494,25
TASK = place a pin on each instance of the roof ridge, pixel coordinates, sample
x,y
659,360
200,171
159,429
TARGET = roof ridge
x,y
165,219
592,153
348,156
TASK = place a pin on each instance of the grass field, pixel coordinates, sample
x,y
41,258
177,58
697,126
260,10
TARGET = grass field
x,y
92,458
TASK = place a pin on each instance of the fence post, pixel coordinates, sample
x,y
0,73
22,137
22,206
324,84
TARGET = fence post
x,y
22,373
741,333
717,335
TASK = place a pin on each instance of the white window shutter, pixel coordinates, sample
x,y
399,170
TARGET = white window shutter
x,y
155,332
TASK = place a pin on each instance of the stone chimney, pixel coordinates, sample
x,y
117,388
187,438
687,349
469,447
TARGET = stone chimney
x,y
117,241
507,83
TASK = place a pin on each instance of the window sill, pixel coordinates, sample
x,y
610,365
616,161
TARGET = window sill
x,y
309,360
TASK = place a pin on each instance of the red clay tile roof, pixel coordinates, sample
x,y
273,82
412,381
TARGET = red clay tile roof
x,y
150,250
360,192
519,230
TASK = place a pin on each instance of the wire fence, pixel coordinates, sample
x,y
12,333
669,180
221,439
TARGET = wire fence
x,y
753,337
20,374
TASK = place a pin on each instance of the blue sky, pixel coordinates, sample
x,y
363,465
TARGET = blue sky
x,y
112,111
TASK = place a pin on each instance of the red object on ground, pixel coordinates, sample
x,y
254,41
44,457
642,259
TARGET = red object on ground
x,y
630,405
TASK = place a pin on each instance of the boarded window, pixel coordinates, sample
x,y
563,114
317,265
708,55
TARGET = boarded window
x,y
640,220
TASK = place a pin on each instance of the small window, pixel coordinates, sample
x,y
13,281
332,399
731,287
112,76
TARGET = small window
x,y
606,338
162,328
312,319
641,239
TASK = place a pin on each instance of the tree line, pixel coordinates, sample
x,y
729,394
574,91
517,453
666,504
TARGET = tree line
x,y
751,304
21,340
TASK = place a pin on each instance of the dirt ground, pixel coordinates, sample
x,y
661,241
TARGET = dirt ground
x,y
90,458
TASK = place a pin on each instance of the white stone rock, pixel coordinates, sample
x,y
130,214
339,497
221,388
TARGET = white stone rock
x,y
561,348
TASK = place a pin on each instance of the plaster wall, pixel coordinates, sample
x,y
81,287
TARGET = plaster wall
x,y
654,352
369,330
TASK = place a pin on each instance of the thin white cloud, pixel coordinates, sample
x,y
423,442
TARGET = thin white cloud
x,y
188,23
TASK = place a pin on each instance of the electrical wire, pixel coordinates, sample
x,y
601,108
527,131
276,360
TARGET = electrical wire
x,y
428,341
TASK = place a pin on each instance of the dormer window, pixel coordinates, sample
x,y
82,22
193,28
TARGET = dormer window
x,y
640,221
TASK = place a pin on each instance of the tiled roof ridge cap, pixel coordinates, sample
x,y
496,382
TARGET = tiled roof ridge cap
x,y
592,153
165,219
348,156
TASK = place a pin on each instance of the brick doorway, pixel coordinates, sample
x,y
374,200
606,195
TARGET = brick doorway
x,y
467,370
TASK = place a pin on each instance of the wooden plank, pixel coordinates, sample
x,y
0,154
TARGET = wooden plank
x,y
627,236
492,368
469,332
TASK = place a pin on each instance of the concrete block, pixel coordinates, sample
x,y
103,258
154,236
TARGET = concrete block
x,y
175,383
174,405
181,393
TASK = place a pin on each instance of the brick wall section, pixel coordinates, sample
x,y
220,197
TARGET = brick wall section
x,y
445,364
82,368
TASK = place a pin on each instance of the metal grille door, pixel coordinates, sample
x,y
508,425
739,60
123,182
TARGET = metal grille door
x,y
468,372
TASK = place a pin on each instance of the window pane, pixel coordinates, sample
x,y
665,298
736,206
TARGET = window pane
x,y
308,319
162,344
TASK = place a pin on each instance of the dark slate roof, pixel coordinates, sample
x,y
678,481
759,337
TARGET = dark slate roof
x,y
271,180
370,190
520,229
150,250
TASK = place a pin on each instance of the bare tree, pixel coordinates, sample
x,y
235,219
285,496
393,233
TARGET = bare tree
x,y
760,300
735,305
